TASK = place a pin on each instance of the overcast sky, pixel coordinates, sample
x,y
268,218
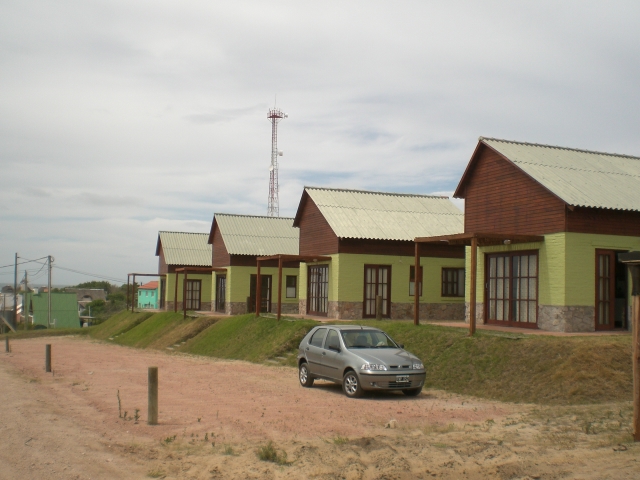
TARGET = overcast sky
x,y
119,119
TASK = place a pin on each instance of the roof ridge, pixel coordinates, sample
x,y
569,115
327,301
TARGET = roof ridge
x,y
173,231
480,139
253,216
376,192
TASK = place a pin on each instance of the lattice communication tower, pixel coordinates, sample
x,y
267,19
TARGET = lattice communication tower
x,y
273,208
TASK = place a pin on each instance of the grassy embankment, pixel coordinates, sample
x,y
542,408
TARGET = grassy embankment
x,y
501,366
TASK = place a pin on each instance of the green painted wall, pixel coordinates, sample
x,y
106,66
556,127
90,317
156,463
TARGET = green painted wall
x,y
147,297
566,263
238,283
346,277
205,286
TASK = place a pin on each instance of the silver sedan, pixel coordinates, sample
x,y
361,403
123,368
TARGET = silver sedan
x,y
360,358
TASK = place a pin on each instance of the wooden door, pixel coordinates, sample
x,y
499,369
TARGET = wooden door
x,y
194,291
605,289
377,281
265,293
318,290
221,292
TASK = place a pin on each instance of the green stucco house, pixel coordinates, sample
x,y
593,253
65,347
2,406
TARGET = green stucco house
x,y
237,241
548,225
178,250
64,310
148,295
369,237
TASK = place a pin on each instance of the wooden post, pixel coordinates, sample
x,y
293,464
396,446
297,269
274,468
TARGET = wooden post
x,y
279,285
175,294
184,295
47,358
6,345
636,366
378,307
416,290
258,290
152,412
472,293
133,292
128,275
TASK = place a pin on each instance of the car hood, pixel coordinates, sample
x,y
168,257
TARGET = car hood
x,y
386,356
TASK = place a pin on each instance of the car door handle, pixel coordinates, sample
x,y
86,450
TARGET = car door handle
x,y
324,353
307,349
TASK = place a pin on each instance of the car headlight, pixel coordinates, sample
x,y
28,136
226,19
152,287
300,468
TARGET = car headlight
x,y
373,366
418,366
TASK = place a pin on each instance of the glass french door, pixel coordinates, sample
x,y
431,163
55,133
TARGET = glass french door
x,y
318,290
377,281
193,294
512,289
605,289
221,292
265,293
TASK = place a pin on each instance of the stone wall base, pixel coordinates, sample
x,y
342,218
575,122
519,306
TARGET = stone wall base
x,y
168,307
566,319
302,306
235,308
399,311
479,313
345,310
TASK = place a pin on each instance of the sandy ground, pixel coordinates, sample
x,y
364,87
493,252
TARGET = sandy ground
x,y
216,415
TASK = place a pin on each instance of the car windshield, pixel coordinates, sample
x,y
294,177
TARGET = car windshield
x,y
367,339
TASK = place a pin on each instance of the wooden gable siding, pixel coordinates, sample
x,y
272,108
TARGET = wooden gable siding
x,y
602,221
316,236
219,255
398,247
162,264
501,198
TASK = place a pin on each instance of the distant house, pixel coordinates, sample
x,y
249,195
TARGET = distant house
x,y
85,296
148,295
370,239
550,223
178,250
237,241
64,310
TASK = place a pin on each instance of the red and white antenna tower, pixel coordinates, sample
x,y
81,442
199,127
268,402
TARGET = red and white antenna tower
x,y
273,208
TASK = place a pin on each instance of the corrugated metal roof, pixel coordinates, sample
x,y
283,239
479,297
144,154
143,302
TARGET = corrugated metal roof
x,y
182,248
254,235
386,216
579,177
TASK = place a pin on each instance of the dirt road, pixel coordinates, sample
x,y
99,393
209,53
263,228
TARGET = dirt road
x,y
87,419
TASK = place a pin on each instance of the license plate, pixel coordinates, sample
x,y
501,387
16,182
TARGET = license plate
x,y
402,378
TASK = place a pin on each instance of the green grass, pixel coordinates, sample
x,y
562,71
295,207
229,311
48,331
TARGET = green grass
x,y
496,365
249,338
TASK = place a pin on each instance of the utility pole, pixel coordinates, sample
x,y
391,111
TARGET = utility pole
x,y
49,294
15,293
25,310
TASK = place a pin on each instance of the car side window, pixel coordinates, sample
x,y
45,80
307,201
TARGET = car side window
x,y
333,340
318,337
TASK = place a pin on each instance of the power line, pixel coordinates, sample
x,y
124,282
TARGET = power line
x,y
103,277
27,261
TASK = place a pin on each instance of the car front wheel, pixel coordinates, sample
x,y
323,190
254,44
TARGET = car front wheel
x,y
306,380
351,385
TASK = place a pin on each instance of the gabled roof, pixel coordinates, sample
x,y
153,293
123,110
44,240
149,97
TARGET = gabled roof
x,y
384,216
182,248
578,177
149,286
256,235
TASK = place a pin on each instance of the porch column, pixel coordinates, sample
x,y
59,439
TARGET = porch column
x,y
258,290
279,286
175,293
472,293
128,276
416,290
133,292
184,295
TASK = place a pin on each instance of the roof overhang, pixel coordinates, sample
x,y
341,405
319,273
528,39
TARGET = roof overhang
x,y
483,239
200,269
295,258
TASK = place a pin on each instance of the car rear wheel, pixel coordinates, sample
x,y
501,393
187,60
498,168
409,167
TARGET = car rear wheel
x,y
412,392
306,380
351,385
